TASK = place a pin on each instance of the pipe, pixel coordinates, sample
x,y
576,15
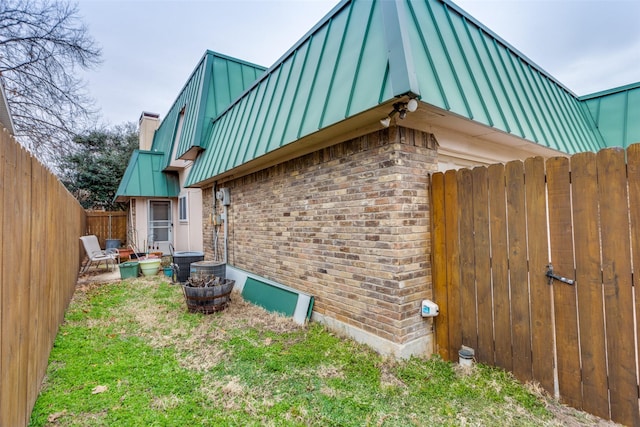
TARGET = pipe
x,y
215,242
226,231
213,222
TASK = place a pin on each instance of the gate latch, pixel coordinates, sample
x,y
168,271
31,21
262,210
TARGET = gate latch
x,y
552,276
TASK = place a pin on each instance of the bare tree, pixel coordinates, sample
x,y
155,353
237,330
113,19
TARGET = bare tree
x,y
43,44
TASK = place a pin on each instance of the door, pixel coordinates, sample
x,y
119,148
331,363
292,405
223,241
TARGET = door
x,y
160,223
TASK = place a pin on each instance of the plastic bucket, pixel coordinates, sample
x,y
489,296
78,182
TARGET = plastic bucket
x,y
129,270
112,244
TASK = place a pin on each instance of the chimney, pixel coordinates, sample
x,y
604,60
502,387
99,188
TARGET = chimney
x,y
148,124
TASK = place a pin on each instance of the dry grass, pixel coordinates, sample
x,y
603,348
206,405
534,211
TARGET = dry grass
x,y
199,346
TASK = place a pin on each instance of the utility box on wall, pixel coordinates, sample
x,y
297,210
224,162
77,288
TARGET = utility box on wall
x,y
224,196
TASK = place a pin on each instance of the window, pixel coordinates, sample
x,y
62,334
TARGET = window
x,y
183,215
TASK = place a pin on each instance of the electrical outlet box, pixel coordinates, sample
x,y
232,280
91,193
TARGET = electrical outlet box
x,y
224,196
429,308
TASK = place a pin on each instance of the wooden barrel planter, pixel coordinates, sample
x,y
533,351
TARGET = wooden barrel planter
x,y
207,299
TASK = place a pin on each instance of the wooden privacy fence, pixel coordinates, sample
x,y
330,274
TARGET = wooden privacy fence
x,y
40,226
495,231
107,225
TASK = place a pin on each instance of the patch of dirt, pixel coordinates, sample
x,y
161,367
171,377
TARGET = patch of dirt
x,y
166,402
565,415
388,379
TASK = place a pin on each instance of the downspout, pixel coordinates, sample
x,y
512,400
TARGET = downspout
x,y
214,222
132,224
223,196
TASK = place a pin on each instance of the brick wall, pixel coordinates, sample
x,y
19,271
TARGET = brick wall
x,y
348,224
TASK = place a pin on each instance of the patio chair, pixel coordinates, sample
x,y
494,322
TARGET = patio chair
x,y
95,254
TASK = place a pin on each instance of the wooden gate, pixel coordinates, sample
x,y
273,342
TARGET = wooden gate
x,y
107,225
499,230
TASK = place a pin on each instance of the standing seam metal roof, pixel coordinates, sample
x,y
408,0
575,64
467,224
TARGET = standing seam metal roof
x,y
364,53
468,70
212,86
617,114
215,82
144,177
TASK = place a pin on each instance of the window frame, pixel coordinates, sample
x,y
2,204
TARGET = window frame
x,y
183,208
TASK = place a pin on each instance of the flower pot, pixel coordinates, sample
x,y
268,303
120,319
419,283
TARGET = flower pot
x,y
210,299
168,271
150,267
125,254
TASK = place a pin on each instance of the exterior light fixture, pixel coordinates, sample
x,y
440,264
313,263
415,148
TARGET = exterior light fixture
x,y
386,121
412,105
400,108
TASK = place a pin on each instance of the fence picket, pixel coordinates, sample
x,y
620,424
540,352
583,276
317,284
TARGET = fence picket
x,y
467,261
561,240
10,350
633,176
500,267
484,351
618,296
439,269
542,351
3,338
589,283
518,271
453,262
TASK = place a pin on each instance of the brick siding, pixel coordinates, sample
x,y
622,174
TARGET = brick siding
x,y
348,224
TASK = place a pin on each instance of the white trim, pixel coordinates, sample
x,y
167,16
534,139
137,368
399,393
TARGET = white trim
x,y
183,209
422,346
302,304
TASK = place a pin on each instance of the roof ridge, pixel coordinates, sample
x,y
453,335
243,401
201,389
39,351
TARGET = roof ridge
x,y
401,66
611,91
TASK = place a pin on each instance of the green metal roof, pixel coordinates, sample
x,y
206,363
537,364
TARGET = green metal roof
x,y
365,53
216,81
465,68
617,114
339,69
144,177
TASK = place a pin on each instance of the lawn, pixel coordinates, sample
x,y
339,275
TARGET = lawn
x,y
129,354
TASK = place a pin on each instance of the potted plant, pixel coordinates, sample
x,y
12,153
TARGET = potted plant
x,y
167,266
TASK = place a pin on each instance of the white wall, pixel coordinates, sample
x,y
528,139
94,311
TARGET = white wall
x,y
458,150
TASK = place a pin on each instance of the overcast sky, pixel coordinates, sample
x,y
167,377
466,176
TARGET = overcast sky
x,y
150,47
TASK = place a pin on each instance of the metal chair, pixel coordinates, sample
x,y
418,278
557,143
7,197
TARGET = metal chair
x,y
95,254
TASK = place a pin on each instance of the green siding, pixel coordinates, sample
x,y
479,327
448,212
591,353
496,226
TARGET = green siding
x,y
617,114
144,177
